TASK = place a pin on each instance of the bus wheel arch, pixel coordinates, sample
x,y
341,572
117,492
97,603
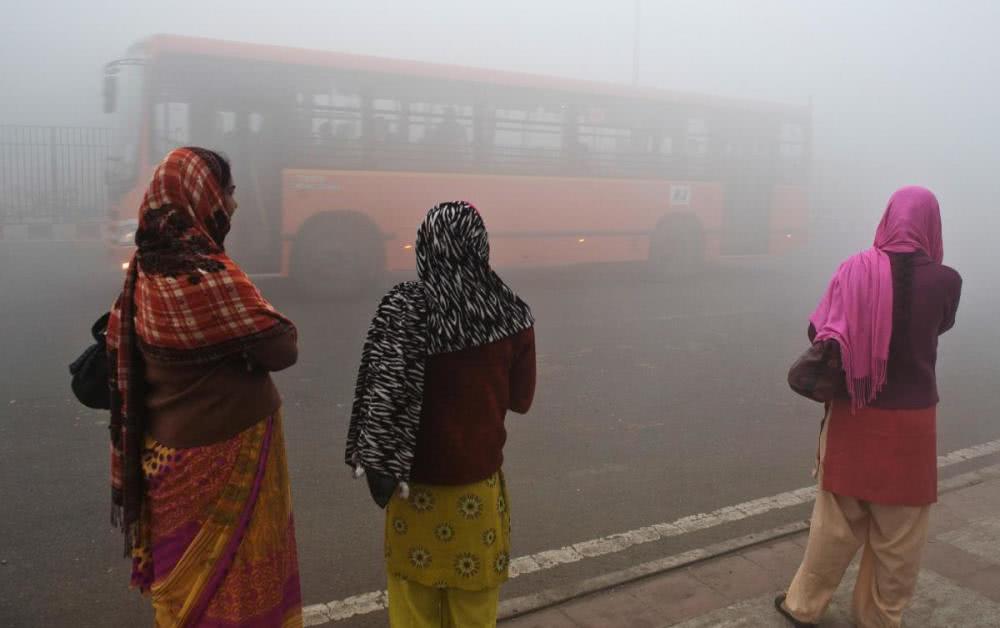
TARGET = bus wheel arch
x,y
677,245
337,254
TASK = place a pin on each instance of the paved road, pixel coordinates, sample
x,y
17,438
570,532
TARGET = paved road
x,y
656,400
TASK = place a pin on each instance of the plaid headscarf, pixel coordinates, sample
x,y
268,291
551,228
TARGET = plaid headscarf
x,y
184,301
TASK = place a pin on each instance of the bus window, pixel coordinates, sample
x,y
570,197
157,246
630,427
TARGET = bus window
x,y
172,127
643,141
336,117
417,129
449,131
508,132
667,145
444,133
696,145
441,124
791,150
326,127
545,130
387,119
225,123
123,158
528,139
791,141
599,137
255,120
604,142
387,135
697,137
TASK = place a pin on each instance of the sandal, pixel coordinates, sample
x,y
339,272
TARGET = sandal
x,y
779,604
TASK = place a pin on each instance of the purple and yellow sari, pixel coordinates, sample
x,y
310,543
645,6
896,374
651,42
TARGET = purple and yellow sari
x,y
217,541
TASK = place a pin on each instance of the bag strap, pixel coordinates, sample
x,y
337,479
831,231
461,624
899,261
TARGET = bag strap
x,y
99,329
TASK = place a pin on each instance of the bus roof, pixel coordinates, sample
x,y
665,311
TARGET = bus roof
x,y
176,44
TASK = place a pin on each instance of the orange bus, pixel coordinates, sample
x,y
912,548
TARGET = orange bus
x,y
337,156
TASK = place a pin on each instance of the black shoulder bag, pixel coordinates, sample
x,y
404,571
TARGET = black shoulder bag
x,y
90,370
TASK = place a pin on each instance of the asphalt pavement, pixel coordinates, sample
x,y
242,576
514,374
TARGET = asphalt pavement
x,y
657,399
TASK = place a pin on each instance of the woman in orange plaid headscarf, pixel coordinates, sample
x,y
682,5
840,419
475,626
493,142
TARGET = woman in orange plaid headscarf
x,y
199,480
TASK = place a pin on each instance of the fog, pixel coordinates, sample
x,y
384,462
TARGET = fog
x,y
902,91
680,376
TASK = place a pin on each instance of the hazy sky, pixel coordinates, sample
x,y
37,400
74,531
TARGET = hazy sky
x,y
904,90
844,52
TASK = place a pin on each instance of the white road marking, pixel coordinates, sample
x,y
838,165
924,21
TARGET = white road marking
x,y
342,609
337,610
969,453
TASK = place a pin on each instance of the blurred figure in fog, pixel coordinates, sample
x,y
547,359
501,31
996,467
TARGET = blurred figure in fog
x,y
199,479
877,468
446,357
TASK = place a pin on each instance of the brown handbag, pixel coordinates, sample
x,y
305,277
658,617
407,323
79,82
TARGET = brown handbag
x,y
818,373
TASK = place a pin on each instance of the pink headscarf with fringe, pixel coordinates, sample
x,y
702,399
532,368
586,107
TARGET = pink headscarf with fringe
x,y
856,310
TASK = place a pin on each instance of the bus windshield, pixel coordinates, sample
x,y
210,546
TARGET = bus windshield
x,y
126,108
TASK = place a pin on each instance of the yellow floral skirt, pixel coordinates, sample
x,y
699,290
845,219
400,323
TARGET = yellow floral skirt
x,y
450,536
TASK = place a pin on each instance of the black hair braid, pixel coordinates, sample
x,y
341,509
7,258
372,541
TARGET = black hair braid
x,y
902,302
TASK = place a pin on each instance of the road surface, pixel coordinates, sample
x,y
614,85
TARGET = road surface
x,y
657,399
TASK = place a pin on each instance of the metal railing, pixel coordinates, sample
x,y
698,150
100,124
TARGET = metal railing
x,y
53,174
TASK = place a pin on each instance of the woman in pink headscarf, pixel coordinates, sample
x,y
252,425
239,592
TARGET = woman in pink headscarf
x,y
885,307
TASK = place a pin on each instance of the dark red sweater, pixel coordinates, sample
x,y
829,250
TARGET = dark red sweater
x,y
466,397
911,381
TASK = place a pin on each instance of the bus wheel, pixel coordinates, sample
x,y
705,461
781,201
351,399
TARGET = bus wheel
x,y
677,246
338,255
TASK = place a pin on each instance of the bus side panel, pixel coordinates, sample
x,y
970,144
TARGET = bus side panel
x,y
532,220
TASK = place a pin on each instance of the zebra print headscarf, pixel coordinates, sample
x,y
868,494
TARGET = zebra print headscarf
x,y
459,302
468,304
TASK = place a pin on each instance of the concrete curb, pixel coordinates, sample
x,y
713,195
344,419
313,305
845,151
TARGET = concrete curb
x,y
516,607
373,601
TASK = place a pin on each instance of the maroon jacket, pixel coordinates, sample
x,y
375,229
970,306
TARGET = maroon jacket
x,y
911,381
466,397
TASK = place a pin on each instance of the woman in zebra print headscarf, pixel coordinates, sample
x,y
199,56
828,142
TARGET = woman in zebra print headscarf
x,y
445,358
